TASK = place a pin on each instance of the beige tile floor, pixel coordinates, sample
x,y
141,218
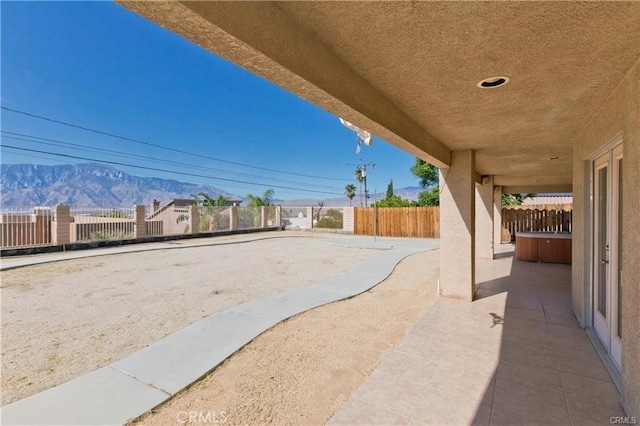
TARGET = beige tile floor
x,y
516,356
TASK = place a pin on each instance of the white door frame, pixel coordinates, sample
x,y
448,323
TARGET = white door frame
x,y
601,255
616,253
605,333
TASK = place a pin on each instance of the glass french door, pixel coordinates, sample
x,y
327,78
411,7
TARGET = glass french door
x,y
607,251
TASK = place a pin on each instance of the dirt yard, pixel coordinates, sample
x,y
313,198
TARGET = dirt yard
x,y
65,319
304,369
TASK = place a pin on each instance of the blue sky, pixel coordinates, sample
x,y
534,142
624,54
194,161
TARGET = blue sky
x,y
99,66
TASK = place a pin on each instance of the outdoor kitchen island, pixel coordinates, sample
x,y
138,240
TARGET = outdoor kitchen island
x,y
548,247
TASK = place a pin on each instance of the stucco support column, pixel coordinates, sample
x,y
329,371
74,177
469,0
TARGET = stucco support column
x,y
278,220
194,220
309,217
457,226
484,218
140,224
233,218
349,219
264,217
61,225
497,217
630,252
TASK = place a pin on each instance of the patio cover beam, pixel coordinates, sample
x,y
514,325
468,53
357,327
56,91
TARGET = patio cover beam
x,y
524,189
262,38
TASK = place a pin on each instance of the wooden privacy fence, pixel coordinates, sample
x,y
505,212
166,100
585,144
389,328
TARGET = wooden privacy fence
x,y
535,219
415,222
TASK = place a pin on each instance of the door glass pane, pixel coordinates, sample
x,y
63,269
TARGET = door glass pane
x,y
620,192
602,241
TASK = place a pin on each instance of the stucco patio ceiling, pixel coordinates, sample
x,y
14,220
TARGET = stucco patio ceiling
x,y
407,71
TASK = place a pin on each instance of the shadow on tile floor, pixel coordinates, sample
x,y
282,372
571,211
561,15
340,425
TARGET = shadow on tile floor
x,y
516,355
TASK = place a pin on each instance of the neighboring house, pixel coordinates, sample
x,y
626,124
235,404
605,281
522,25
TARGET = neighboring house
x,y
25,228
510,97
169,219
173,217
155,207
548,199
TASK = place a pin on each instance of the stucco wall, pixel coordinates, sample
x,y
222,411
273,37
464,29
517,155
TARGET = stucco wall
x,y
349,219
484,219
620,113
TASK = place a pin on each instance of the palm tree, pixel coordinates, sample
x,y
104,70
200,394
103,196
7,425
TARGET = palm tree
x,y
209,218
350,192
359,175
204,199
265,200
257,201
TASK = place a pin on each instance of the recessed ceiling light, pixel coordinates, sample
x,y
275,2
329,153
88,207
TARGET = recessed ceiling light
x,y
554,158
493,82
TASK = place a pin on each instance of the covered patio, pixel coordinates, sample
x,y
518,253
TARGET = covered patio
x,y
514,356
503,98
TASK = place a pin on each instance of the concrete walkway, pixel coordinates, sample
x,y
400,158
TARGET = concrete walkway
x,y
516,356
132,386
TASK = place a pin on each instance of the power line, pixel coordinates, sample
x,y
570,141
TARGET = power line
x,y
361,170
152,175
100,132
191,166
71,83
162,170
59,143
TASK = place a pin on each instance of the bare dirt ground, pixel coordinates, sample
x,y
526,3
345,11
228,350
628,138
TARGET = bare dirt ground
x,y
303,370
65,319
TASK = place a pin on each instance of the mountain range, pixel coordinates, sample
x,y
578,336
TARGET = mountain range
x,y
97,185
89,185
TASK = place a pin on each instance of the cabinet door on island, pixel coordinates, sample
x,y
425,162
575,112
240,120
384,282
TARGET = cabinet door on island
x,y
543,247
554,250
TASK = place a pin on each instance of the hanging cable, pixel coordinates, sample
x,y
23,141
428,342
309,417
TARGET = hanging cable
x,y
71,83
162,170
100,132
70,145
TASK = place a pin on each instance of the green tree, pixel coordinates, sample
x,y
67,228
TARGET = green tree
x,y
331,219
393,201
429,197
390,189
210,217
428,175
359,175
426,172
265,200
350,192
515,199
256,201
205,200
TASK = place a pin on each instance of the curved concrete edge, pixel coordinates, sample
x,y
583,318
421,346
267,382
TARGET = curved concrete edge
x,y
136,384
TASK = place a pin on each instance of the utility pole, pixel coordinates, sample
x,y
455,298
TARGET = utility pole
x,y
375,216
363,169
